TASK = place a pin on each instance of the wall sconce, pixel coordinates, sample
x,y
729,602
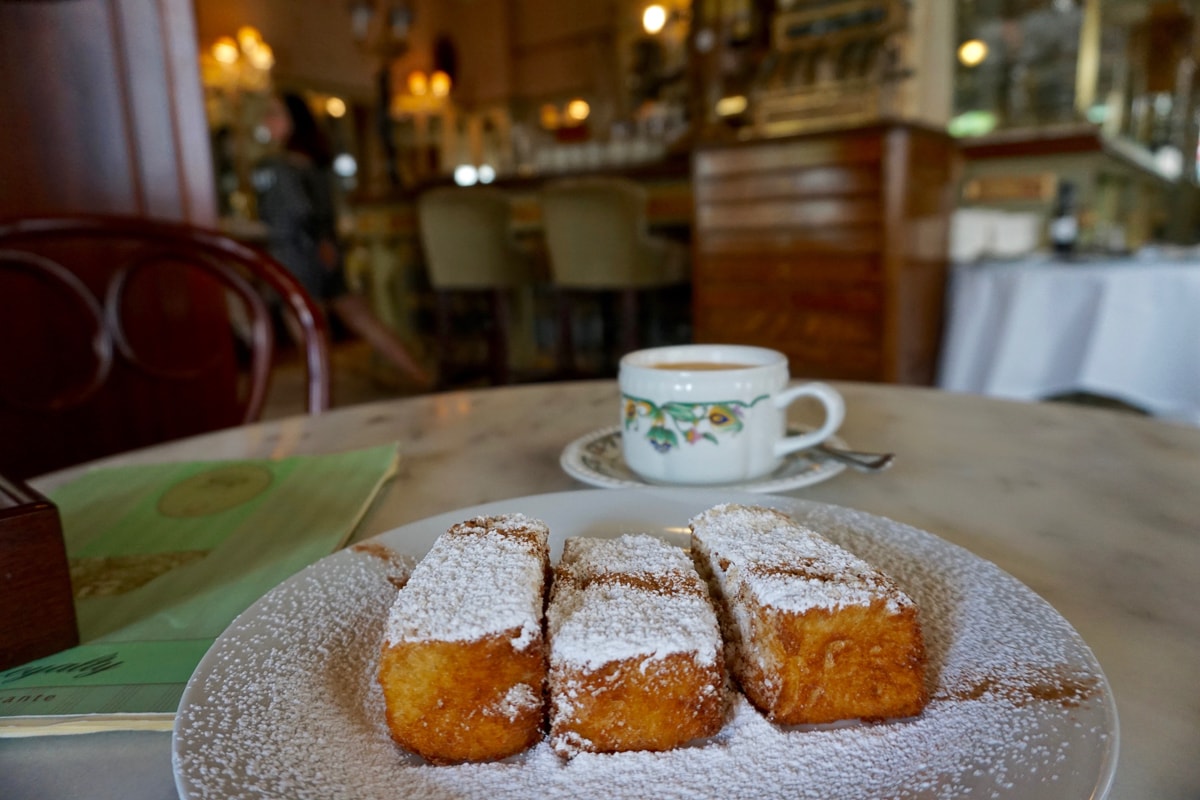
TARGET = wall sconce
x,y
572,115
439,84
419,84
241,63
424,94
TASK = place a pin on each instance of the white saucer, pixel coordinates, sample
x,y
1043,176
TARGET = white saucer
x,y
596,459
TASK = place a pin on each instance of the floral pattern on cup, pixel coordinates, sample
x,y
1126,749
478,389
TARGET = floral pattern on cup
x,y
694,422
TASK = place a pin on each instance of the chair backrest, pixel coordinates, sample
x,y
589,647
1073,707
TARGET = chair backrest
x,y
595,233
124,332
466,236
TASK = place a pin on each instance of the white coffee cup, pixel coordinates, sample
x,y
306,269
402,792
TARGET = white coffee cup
x,y
713,413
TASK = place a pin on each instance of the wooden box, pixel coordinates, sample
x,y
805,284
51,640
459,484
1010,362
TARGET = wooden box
x,y
38,610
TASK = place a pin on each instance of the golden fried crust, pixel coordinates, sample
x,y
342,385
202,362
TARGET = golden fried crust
x,y
625,706
636,660
464,701
813,634
856,662
463,662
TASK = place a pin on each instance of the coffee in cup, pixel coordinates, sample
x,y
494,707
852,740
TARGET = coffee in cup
x,y
712,414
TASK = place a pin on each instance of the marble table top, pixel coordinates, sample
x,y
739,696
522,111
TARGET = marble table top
x,y
1094,510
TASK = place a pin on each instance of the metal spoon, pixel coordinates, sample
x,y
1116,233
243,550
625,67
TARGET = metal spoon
x,y
863,462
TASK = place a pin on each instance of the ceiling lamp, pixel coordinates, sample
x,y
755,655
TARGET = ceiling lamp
x,y
654,18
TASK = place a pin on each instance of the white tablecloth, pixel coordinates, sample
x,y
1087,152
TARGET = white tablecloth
x,y
1127,329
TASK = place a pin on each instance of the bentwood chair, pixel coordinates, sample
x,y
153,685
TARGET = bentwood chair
x,y
119,332
466,236
598,240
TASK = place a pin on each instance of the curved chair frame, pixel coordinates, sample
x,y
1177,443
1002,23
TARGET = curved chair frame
x,y
214,253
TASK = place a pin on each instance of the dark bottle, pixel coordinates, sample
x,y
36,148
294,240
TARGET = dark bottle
x,y
1064,224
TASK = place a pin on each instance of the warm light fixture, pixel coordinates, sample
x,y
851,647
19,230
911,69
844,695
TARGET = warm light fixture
x,y
439,84
261,57
654,18
731,106
418,83
248,38
423,94
241,62
549,116
578,110
225,50
972,52
335,107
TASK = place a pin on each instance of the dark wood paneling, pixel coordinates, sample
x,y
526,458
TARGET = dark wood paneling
x,y
118,336
843,240
111,110
104,114
861,147
794,212
796,327
921,295
784,268
786,297
810,246
813,183
1083,139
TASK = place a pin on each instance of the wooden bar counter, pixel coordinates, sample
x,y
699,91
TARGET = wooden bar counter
x,y
831,247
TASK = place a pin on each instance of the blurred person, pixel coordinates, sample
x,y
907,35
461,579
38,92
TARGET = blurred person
x,y
296,203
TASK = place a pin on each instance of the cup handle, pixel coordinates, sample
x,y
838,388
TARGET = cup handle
x,y
835,412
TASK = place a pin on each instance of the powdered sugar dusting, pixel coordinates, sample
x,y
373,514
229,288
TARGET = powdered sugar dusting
x,y
468,585
516,700
787,566
593,621
285,704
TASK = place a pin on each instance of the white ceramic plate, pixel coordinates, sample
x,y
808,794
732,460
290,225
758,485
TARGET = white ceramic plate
x,y
596,459
285,704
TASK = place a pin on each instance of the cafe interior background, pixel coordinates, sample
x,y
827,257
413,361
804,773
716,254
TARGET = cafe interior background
x,y
868,186
823,166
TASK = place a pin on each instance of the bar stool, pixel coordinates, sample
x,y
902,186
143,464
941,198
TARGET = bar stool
x,y
598,241
469,250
